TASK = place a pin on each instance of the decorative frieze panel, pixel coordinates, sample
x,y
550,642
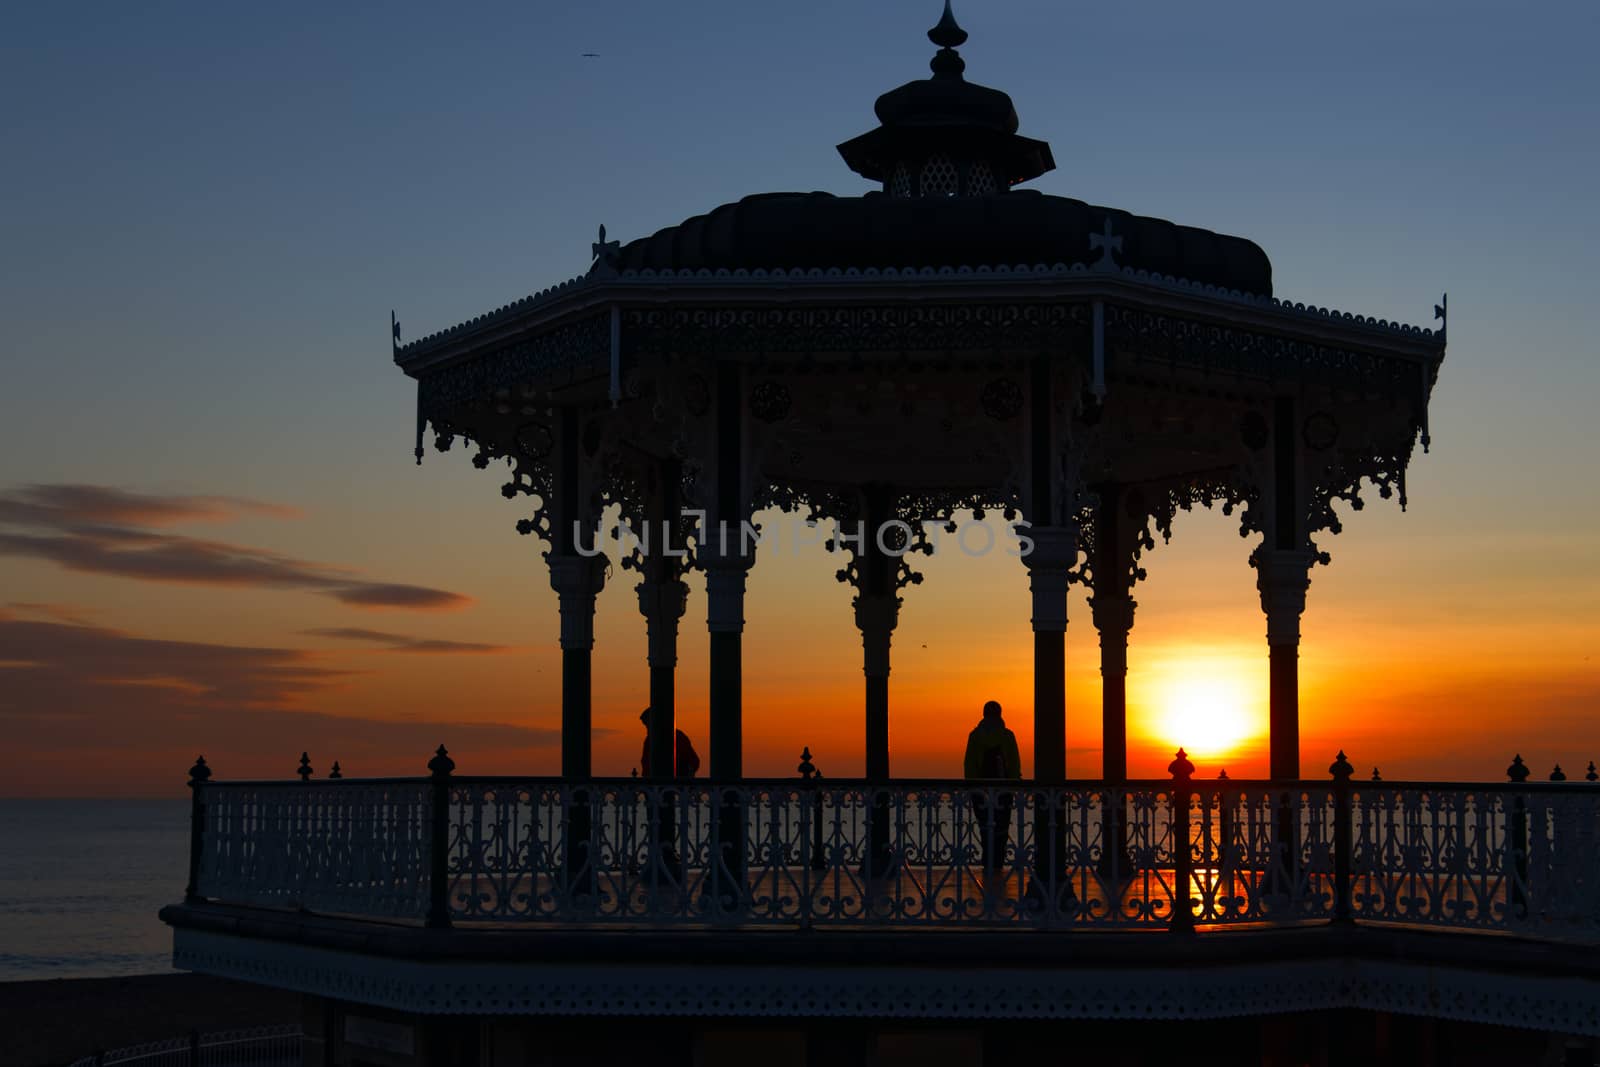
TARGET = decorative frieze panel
x,y
1226,350
560,354
1178,988
919,327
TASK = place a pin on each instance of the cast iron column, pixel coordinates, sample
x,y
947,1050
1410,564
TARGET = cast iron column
x,y
1112,607
662,598
1283,566
1283,577
723,555
1054,551
877,611
577,579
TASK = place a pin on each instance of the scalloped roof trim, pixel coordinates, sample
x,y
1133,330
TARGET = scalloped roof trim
x,y
1021,270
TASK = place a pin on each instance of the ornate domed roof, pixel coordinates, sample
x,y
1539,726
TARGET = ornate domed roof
x,y
820,230
948,154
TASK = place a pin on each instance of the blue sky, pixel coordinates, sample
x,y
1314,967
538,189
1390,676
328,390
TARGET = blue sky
x,y
208,212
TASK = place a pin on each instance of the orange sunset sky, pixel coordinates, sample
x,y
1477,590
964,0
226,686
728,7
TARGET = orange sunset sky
x,y
213,539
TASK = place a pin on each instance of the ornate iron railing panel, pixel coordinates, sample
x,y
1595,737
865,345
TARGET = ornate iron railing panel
x,y
353,847
801,853
1483,857
1263,852
793,853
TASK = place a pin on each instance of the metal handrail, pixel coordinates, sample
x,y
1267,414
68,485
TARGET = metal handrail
x,y
1171,853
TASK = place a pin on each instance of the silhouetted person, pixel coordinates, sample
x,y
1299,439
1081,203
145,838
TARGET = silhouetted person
x,y
687,760
992,756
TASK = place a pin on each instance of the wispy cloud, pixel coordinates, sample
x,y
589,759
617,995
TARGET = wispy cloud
x,y
68,687
392,642
99,530
60,506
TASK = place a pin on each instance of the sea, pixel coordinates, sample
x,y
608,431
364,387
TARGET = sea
x,y
81,882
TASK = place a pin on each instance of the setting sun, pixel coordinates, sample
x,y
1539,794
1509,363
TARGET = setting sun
x,y
1210,706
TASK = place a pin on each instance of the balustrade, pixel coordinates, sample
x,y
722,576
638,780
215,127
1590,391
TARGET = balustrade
x,y
1178,854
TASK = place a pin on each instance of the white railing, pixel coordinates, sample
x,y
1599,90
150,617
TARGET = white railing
x,y
265,1046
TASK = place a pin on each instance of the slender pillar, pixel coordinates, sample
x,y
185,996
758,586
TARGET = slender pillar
x,y
725,588
1049,563
876,616
662,597
1283,566
577,580
877,608
661,602
877,612
1282,577
1054,551
726,559
1112,609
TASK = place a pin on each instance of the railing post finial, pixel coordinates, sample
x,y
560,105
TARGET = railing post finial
x,y
305,767
1222,775
1376,777
1518,771
441,764
806,768
1558,775
1340,768
201,773
1593,775
1180,768
336,772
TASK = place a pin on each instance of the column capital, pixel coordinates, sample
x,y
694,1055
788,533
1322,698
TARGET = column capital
x,y
577,580
1112,614
726,565
1282,578
876,618
1052,547
1050,559
662,603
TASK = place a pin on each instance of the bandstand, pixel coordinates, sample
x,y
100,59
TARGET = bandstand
x,y
945,344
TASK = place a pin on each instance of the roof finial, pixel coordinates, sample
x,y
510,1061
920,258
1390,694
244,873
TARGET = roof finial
x,y
948,36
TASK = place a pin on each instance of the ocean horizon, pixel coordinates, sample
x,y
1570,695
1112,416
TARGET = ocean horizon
x,y
81,881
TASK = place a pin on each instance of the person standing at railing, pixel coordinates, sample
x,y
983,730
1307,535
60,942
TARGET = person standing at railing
x,y
687,760
992,756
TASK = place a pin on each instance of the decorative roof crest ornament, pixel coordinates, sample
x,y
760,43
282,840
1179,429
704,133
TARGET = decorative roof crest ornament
x,y
1107,242
945,136
949,36
606,254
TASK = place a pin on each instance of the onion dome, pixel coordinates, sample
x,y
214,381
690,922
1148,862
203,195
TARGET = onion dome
x,y
946,136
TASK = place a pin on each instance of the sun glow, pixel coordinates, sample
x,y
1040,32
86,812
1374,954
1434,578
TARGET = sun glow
x,y
1209,708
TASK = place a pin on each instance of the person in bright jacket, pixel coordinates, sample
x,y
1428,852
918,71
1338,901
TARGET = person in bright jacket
x,y
992,758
